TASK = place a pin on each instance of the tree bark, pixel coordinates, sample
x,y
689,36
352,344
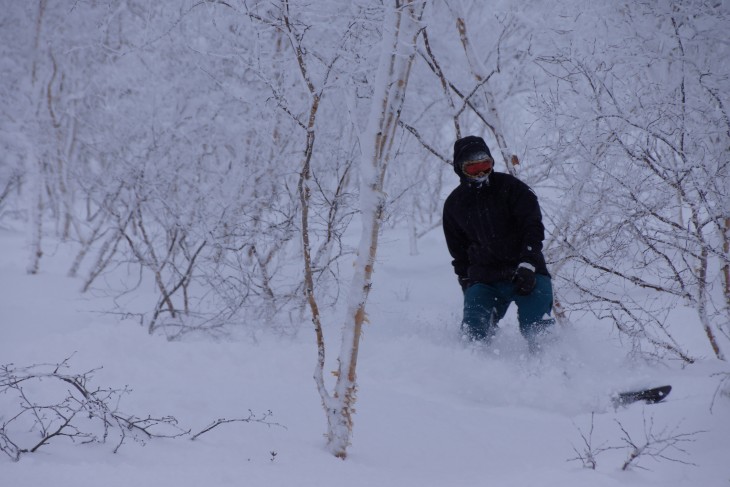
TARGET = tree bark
x,y
400,29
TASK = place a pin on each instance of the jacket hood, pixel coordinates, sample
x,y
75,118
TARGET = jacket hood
x,y
464,148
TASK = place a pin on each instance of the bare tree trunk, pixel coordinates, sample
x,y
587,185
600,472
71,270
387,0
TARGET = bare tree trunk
x,y
702,304
42,4
35,169
726,267
36,220
400,30
494,120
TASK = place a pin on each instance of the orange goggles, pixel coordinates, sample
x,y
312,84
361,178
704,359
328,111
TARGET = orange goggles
x,y
475,168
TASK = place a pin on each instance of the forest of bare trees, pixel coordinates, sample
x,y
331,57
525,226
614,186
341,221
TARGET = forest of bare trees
x,y
224,153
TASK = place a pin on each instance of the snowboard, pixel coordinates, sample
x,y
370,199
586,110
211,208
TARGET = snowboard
x,y
649,396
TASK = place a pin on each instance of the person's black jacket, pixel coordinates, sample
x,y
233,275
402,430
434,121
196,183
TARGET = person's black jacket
x,y
492,227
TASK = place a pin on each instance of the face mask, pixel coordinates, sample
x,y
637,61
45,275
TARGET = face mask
x,y
480,180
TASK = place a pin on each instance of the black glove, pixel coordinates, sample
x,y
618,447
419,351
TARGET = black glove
x,y
524,279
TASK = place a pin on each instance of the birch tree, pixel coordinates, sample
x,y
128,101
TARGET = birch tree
x,y
397,51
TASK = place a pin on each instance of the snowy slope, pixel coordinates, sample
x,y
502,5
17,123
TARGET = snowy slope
x,y
431,411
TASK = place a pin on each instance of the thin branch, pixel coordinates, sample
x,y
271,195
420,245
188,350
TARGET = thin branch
x,y
252,418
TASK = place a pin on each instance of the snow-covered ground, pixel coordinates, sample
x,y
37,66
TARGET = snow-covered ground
x,y
430,411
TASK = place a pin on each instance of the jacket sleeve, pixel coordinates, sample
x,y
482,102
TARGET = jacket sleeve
x,y
458,245
527,214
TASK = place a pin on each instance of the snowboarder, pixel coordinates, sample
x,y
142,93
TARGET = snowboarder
x,y
494,232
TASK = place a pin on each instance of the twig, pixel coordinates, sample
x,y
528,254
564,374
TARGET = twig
x,y
252,418
656,446
720,390
590,452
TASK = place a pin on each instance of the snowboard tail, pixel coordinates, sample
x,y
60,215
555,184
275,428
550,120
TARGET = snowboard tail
x,y
649,396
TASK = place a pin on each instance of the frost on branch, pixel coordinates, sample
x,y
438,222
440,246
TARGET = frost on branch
x,y
588,453
251,418
665,444
656,443
43,403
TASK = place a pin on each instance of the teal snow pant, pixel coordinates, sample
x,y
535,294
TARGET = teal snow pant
x,y
486,304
